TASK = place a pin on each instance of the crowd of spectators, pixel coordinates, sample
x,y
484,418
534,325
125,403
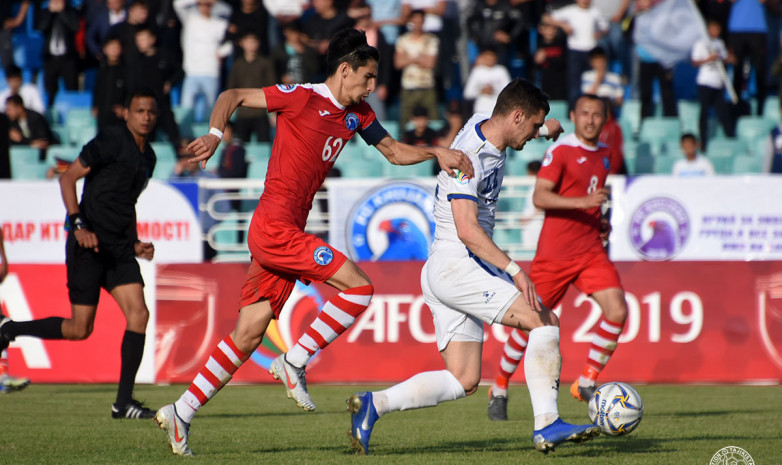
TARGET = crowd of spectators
x,y
438,55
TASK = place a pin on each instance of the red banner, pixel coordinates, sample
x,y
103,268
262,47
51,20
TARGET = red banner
x,y
688,322
39,291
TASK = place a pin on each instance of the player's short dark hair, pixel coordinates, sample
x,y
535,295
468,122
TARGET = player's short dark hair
x,y
594,98
521,94
15,99
690,136
13,71
140,92
350,46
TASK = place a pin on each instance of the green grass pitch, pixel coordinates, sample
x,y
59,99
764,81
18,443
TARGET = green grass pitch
x,y
71,424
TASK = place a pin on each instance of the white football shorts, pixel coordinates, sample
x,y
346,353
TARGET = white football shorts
x,y
462,292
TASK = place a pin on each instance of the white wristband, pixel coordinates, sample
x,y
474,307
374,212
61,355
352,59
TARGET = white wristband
x,y
543,131
216,132
513,269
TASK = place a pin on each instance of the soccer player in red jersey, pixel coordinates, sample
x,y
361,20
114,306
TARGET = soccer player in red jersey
x,y
314,122
570,188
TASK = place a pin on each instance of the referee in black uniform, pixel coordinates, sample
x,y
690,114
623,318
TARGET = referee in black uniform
x,y
102,245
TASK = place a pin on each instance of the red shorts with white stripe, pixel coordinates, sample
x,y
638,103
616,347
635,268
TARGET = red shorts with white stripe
x,y
281,254
589,273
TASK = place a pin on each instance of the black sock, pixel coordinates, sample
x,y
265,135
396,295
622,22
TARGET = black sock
x,y
46,328
132,351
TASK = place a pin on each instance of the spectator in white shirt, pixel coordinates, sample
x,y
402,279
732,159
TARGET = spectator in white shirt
x,y
203,47
584,25
693,164
29,92
601,82
706,56
485,82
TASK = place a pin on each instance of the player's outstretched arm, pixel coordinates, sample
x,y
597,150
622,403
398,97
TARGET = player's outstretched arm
x,y
205,146
546,198
470,232
399,153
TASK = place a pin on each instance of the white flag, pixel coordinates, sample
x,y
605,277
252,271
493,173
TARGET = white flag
x,y
669,30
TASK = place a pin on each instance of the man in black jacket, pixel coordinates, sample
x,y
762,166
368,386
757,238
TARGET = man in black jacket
x,y
102,244
59,24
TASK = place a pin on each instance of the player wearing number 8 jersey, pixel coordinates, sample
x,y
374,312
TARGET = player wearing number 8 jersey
x,y
313,124
570,188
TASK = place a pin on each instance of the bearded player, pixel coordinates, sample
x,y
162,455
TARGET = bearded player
x,y
570,188
314,122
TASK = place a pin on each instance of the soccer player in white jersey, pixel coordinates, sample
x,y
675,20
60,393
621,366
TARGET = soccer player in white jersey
x,y
468,280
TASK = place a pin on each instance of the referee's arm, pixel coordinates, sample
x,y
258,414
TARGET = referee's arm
x,y
76,171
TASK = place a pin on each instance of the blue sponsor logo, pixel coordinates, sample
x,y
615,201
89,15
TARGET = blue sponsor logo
x,y
392,222
323,255
286,87
606,163
351,121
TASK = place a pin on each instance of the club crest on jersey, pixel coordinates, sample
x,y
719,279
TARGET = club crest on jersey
x,y
547,159
394,221
323,255
462,178
351,121
606,163
287,87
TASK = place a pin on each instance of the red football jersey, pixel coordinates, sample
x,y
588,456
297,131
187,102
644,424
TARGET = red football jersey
x,y
576,170
312,129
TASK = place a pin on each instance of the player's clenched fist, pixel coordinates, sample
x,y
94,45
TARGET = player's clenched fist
x,y
595,198
203,148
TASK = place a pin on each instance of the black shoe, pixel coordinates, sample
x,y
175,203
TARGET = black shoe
x,y
133,409
498,407
4,340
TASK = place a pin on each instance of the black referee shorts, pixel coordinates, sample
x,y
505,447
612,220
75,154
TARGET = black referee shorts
x,y
88,271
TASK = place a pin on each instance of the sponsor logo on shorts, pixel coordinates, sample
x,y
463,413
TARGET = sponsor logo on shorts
x,y
323,255
392,222
488,296
659,228
287,87
351,121
732,455
547,159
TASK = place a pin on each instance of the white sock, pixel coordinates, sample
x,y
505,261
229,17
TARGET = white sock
x,y
425,389
497,391
542,363
185,411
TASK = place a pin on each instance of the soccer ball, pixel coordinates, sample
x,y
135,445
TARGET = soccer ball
x,y
616,408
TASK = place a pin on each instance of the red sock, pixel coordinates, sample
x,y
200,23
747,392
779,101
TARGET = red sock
x,y
512,353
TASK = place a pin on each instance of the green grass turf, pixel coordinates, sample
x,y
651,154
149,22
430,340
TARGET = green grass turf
x,y
71,424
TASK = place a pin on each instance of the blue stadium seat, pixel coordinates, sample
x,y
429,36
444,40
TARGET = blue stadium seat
x,y
631,115
507,236
644,164
722,165
23,155
747,165
393,128
83,134
771,107
68,101
721,148
656,131
689,115
32,171
750,128
258,151
558,109
362,168
61,133
68,153
257,169
664,164
199,129
422,169
163,169
163,151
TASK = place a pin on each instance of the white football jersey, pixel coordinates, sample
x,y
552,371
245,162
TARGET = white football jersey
x,y
483,188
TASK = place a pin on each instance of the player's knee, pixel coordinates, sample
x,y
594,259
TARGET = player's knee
x,y
470,385
79,332
138,317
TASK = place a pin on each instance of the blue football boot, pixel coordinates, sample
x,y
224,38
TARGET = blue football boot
x,y
548,438
362,419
